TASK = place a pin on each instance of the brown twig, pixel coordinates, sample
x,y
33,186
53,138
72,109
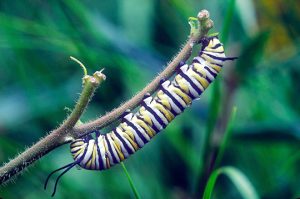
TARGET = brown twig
x,y
58,136
68,131
196,34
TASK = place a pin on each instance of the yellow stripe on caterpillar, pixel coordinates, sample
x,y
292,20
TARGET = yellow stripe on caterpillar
x,y
106,157
165,112
220,49
208,58
77,143
145,116
142,124
164,100
200,69
78,152
200,79
88,164
182,84
214,66
184,96
127,130
117,146
131,141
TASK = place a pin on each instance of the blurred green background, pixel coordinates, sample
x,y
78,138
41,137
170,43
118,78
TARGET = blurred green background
x,y
133,40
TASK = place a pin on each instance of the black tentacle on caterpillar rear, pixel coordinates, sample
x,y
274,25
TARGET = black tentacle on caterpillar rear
x,y
154,114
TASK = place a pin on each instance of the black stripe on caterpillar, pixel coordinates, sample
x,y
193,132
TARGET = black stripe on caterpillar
x,y
153,115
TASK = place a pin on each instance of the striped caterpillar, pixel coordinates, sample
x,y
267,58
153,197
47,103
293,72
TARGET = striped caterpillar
x,y
153,115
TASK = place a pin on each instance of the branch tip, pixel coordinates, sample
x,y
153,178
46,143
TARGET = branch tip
x,y
203,15
72,127
199,29
81,64
99,76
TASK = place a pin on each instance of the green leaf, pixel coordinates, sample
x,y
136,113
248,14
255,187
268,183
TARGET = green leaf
x,y
227,135
227,21
240,181
251,54
136,194
215,103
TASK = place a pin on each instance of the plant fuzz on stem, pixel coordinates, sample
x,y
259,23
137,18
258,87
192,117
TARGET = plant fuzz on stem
x,y
68,131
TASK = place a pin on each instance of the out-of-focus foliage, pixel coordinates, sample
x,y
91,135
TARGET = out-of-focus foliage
x,y
238,179
133,40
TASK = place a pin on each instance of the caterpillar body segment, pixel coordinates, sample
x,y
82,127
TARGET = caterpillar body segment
x,y
153,115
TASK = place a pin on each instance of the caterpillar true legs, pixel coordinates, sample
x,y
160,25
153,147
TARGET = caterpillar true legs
x,y
153,115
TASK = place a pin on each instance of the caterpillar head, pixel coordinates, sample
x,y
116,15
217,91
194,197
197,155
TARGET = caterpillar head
x,y
212,45
204,42
210,41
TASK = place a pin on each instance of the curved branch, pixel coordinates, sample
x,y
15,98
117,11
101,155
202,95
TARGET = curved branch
x,y
197,33
68,131
58,136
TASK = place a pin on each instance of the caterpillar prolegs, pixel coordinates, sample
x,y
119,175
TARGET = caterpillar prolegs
x,y
153,115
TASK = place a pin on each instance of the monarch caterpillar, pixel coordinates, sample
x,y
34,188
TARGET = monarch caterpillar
x,y
153,115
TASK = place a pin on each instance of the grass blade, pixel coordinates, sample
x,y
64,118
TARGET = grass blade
x,y
214,108
227,134
227,21
240,181
211,184
136,194
215,103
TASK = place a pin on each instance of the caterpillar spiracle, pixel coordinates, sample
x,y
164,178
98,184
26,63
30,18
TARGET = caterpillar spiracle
x,y
153,115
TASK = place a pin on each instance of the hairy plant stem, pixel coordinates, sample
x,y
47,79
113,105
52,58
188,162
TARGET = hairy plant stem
x,y
198,31
55,138
69,131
